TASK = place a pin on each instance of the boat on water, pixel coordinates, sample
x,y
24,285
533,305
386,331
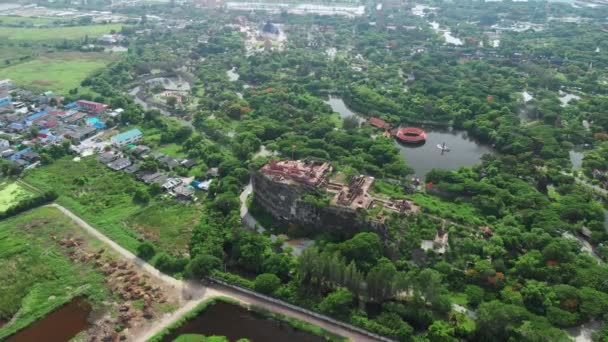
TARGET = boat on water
x,y
443,147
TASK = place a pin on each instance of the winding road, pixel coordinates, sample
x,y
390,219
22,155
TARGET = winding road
x,y
194,293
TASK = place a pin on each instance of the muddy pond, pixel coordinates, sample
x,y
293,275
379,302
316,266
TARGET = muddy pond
x,y
235,322
59,326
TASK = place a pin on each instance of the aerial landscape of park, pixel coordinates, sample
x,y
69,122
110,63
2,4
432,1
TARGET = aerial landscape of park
x,y
353,170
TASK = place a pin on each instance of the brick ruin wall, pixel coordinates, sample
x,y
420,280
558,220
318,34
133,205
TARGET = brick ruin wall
x,y
284,202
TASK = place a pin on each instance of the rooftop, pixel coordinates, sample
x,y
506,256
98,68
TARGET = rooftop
x,y
127,135
307,172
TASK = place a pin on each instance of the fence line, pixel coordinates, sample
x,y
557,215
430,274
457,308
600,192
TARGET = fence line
x,y
300,310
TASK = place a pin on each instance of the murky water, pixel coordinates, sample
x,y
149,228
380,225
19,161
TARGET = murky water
x,y
235,322
338,106
58,326
464,151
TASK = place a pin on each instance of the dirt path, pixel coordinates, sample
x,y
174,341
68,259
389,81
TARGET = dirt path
x,y
194,293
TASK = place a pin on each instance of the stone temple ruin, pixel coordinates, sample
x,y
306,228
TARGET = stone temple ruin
x,y
280,187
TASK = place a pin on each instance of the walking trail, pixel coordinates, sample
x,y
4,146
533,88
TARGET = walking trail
x,y
194,293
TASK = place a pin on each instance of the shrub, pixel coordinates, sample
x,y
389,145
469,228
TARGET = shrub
x,y
146,250
202,265
266,283
170,264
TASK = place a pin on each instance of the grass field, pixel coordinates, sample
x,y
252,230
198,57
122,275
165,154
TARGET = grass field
x,y
168,223
35,277
59,73
57,33
460,212
104,198
11,194
12,20
173,150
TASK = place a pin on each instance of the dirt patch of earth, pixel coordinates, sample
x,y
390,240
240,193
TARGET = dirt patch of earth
x,y
43,82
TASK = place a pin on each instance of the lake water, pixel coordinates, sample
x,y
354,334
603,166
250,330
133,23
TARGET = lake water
x,y
338,106
235,322
464,151
60,325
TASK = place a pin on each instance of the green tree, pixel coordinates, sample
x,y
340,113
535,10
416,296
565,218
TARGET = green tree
x,y
350,123
146,250
380,280
474,294
337,303
172,101
141,196
441,331
364,249
266,283
202,265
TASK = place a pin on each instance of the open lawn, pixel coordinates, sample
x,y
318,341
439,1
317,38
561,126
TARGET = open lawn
x,y
59,73
104,198
11,194
35,277
463,213
173,150
57,33
168,223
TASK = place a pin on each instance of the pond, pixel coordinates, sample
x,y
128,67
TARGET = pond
x,y
235,322
60,325
464,151
338,106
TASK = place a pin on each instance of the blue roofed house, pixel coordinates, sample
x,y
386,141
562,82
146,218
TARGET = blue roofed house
x,y
5,100
96,123
126,138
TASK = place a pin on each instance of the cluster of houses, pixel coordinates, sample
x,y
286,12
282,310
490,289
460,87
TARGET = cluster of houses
x,y
129,157
28,120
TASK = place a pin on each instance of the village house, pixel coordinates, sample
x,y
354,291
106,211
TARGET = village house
x,y
107,158
126,138
133,168
140,151
184,191
119,164
91,107
171,183
4,144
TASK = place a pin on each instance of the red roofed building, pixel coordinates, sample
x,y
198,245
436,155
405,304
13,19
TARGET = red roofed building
x,y
377,122
92,107
411,135
50,123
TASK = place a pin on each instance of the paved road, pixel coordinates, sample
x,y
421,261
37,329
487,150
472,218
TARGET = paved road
x,y
195,293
